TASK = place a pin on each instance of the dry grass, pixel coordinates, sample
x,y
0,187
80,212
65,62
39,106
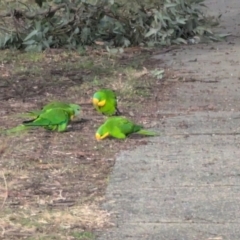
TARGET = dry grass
x,y
30,221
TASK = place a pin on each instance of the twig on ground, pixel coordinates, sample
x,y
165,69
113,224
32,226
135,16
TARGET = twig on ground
x,y
3,231
6,188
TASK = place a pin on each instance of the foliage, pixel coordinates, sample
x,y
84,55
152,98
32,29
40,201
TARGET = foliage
x,y
75,23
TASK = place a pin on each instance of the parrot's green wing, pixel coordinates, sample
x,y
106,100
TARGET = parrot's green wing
x,y
62,105
53,119
126,126
105,102
55,105
111,104
36,113
115,131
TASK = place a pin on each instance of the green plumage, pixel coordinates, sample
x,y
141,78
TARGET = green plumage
x,y
120,127
55,119
18,129
105,102
61,105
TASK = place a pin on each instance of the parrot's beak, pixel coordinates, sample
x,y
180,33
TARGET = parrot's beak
x,y
102,103
99,137
98,103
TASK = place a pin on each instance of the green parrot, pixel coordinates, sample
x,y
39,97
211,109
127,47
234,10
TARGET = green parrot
x,y
120,127
55,119
105,102
62,105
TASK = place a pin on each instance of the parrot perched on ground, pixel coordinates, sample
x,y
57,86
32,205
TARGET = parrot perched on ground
x,y
105,102
62,105
120,127
54,119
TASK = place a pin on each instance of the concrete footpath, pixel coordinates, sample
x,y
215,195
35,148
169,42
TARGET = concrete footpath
x,y
185,185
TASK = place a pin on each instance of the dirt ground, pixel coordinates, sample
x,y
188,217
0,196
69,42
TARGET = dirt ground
x,y
52,184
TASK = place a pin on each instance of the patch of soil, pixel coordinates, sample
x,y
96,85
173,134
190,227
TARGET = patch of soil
x,y
46,171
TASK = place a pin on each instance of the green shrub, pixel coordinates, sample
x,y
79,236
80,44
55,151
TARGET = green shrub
x,y
75,23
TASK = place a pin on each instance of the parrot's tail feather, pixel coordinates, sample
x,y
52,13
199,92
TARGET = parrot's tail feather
x,y
147,132
17,129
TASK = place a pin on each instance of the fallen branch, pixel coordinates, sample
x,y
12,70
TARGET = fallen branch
x,y
6,189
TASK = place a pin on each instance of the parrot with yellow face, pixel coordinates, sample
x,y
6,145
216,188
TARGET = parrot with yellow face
x,y
120,127
53,119
105,102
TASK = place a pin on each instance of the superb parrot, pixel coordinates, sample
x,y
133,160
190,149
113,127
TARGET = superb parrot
x,y
61,105
105,102
120,127
55,119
